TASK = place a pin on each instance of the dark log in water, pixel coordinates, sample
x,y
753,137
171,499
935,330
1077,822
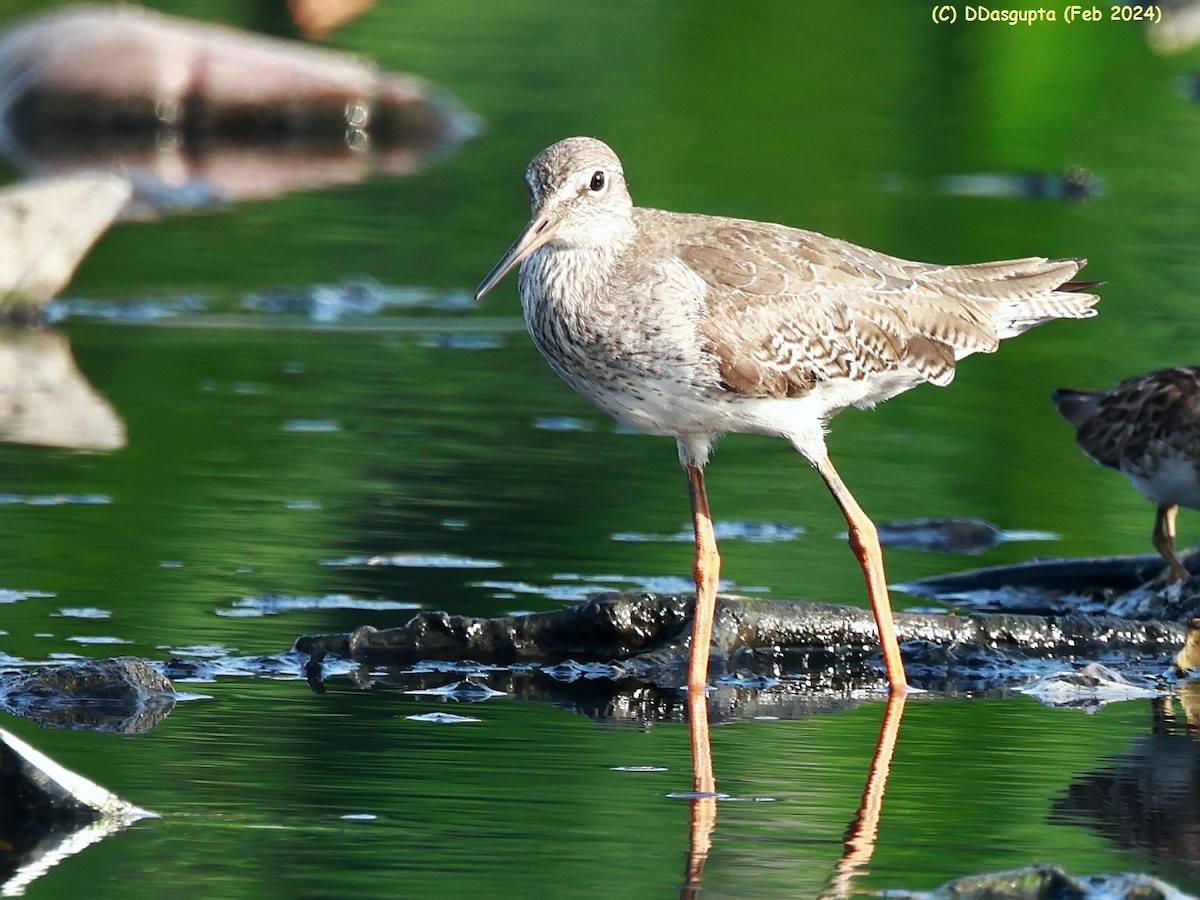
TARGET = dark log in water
x,y
648,636
1116,573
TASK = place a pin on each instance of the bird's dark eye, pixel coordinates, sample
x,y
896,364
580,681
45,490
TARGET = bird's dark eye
x,y
598,181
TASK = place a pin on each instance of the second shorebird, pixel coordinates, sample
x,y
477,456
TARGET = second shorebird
x,y
1147,427
695,326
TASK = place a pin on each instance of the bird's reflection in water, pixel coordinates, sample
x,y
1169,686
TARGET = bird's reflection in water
x,y
704,789
864,828
1148,798
861,835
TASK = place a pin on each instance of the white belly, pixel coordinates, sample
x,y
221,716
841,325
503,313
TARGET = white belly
x,y
1172,481
667,408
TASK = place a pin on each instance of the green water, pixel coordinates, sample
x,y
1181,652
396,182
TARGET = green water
x,y
838,117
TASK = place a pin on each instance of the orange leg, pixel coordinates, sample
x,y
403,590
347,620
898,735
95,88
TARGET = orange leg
x,y
704,787
1164,542
707,571
703,781
864,541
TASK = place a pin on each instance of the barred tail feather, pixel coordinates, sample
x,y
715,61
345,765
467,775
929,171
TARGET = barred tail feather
x,y
1063,299
1015,317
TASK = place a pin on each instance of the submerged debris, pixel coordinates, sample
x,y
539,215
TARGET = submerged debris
x,y
312,426
561,423
1089,688
441,718
207,668
55,499
1073,184
568,587
9,595
462,691
1076,183
949,535
415,561
461,340
82,612
135,312
274,604
353,298
752,532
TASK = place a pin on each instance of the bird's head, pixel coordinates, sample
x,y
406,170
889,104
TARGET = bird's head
x,y
579,200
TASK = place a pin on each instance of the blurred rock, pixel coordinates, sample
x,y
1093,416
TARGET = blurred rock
x,y
45,399
197,114
46,228
317,18
1179,28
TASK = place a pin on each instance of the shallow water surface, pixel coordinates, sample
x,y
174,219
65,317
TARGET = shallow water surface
x,y
345,793
288,466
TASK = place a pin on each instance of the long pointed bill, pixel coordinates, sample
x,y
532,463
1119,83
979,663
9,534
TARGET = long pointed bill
x,y
539,230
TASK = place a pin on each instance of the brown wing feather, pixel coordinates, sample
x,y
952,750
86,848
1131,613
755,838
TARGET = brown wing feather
x,y
787,308
1124,423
